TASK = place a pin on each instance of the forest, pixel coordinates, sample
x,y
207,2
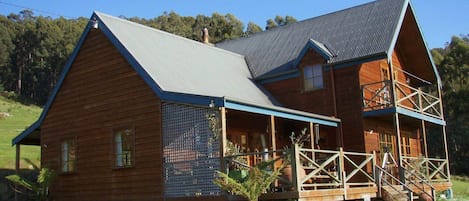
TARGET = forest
x,y
34,49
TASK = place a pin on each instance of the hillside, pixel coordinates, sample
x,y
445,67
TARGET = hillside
x,y
14,118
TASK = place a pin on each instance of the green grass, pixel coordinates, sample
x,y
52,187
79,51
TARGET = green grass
x,y
14,118
460,188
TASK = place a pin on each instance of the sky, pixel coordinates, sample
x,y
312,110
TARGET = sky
x,y
439,20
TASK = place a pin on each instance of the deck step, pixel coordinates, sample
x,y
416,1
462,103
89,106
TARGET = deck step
x,y
394,193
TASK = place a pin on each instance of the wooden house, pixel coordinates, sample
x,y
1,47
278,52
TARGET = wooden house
x,y
141,114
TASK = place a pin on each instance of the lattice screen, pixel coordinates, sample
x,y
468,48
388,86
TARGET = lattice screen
x,y
191,155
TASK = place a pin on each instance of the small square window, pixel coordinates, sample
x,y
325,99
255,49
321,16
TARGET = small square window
x,y
68,157
313,77
124,147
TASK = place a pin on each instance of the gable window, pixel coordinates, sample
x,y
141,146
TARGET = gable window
x,y
68,155
124,147
312,77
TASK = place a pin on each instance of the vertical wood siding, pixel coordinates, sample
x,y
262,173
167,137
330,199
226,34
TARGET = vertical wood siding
x,y
102,92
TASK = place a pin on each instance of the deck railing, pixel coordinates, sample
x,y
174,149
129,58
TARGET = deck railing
x,y
378,95
432,170
312,169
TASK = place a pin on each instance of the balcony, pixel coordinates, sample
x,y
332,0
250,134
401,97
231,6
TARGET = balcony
x,y
378,96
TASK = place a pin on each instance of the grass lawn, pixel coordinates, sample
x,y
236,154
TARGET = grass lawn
x,y
14,118
460,188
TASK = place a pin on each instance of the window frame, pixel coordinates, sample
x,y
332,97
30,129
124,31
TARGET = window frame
x,y
72,150
128,162
309,81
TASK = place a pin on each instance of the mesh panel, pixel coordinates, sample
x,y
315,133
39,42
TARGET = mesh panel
x,y
191,155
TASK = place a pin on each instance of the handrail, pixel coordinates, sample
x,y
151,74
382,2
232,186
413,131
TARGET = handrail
x,y
379,171
421,180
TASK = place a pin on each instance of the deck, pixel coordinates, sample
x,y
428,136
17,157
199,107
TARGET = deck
x,y
313,174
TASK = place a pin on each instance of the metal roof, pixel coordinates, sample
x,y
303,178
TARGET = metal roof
x,y
180,65
349,34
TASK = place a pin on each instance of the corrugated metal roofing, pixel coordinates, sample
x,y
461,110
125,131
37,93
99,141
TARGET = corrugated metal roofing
x,y
185,66
352,33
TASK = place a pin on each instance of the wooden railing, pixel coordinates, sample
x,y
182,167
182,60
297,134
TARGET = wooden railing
x,y
430,169
378,95
332,169
418,101
312,169
386,179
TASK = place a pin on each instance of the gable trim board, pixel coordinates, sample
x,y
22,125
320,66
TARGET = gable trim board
x,y
164,95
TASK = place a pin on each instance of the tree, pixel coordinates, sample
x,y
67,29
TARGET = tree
x,y
252,28
453,66
280,21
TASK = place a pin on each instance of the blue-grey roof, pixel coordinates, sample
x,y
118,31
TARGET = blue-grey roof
x,y
349,34
181,65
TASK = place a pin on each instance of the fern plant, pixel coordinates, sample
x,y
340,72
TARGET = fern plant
x,y
258,180
40,188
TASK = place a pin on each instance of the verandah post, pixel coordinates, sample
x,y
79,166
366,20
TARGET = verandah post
x,y
295,163
17,166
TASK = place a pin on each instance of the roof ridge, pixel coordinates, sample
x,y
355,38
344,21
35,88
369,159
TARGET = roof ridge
x,y
99,14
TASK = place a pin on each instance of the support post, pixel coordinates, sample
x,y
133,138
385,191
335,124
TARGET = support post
x,y
312,134
17,167
425,148
223,137
399,147
446,152
295,163
273,136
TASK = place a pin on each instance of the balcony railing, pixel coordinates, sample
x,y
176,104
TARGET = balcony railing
x,y
379,95
311,169
431,170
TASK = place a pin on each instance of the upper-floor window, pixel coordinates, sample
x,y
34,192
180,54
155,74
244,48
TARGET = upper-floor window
x,y
68,155
312,77
124,147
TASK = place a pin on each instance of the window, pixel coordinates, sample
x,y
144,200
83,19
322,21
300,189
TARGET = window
x,y
405,144
313,77
124,147
386,144
68,157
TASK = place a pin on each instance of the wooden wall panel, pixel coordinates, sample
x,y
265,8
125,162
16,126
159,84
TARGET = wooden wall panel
x,y
291,94
102,92
349,107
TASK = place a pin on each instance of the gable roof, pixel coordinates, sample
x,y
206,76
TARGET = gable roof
x,y
180,70
351,34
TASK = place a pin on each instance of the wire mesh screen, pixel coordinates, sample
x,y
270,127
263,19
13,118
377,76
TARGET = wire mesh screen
x,y
191,153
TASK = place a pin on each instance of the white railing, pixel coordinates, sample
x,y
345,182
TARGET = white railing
x,y
311,169
432,170
326,168
418,101
378,95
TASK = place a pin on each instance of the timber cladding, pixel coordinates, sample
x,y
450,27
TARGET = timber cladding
x,y
101,93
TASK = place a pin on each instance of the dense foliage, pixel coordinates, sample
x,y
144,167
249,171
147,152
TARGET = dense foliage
x,y
453,66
